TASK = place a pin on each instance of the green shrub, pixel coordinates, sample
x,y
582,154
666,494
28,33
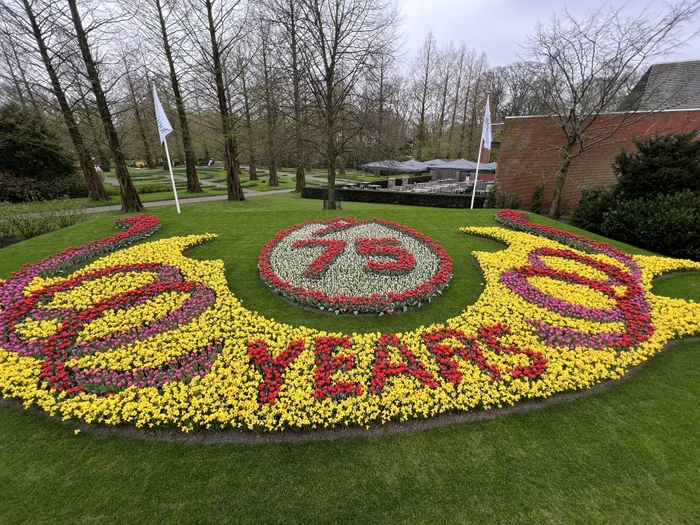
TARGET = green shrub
x,y
663,165
32,224
112,190
160,187
501,198
514,201
7,229
667,224
536,200
65,212
33,164
594,205
491,196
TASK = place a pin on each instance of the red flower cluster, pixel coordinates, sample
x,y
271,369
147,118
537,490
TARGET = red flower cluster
x,y
272,369
403,261
384,368
328,364
469,351
333,248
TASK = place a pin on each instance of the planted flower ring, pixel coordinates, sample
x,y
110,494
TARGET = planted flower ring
x,y
355,266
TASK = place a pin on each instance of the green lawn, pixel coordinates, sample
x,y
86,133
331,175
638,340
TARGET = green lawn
x,y
626,455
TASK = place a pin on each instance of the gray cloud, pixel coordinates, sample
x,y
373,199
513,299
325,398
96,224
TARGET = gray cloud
x,y
500,27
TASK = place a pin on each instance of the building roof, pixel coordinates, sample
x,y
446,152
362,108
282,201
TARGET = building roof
x,y
395,166
466,165
672,85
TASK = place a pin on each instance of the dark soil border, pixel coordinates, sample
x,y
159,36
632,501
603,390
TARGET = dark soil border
x,y
217,437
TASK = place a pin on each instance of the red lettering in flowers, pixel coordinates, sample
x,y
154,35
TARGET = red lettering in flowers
x,y
384,369
402,259
468,350
272,369
327,364
333,248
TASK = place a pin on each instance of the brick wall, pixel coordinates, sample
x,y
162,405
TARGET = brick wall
x,y
529,152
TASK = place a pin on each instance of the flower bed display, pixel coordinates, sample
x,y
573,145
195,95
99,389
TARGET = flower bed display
x,y
148,337
354,266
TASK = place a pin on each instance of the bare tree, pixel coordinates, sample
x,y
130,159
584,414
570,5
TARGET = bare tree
x,y
158,12
129,197
243,63
38,30
221,19
269,100
424,74
341,38
583,64
137,113
286,15
473,73
446,66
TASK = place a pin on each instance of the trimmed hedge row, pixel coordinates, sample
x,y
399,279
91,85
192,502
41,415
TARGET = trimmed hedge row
x,y
436,200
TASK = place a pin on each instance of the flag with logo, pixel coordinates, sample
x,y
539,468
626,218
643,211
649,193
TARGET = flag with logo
x,y
486,130
164,127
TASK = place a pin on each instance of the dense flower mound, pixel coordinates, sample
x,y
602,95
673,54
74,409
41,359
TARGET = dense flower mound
x,y
355,266
146,336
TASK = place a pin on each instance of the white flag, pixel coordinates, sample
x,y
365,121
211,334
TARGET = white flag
x,y
164,127
486,130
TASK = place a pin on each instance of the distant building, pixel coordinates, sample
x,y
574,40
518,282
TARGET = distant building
x,y
673,85
531,145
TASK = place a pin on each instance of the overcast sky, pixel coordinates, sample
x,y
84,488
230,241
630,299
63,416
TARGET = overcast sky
x,y
499,27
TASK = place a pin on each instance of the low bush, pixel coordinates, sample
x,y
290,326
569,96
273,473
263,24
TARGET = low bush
x,y
7,229
437,200
536,200
594,205
514,201
663,165
667,224
491,196
160,187
66,212
32,224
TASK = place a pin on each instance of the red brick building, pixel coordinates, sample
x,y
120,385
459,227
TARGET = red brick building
x,y
530,151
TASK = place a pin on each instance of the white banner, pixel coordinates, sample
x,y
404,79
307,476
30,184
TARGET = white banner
x,y
486,130
164,127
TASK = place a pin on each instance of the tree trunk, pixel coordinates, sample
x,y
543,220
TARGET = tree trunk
x,y
139,121
463,129
193,185
299,153
252,168
555,208
101,154
96,190
233,180
331,154
129,196
270,117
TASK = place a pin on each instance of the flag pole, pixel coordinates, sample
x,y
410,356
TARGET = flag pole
x,y
164,128
476,175
485,137
172,177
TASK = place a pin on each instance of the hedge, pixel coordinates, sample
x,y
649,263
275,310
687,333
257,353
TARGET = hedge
x,y
436,200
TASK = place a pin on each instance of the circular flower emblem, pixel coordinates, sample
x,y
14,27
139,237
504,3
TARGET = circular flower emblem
x,y
355,266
